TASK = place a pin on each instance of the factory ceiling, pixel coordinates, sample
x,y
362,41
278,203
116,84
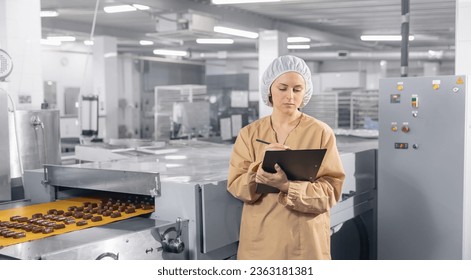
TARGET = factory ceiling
x,y
331,25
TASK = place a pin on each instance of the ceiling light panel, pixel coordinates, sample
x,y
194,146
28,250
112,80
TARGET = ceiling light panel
x,y
298,47
145,43
215,41
298,40
49,14
384,37
170,52
235,32
224,2
62,38
119,9
141,7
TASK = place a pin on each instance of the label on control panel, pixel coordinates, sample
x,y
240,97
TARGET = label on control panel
x,y
401,146
395,98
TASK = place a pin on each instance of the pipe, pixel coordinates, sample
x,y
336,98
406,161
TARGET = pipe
x,y
405,5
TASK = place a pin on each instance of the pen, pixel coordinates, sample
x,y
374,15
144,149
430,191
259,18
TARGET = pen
x,y
261,141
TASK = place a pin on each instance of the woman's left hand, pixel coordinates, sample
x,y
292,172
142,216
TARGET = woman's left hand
x,y
277,180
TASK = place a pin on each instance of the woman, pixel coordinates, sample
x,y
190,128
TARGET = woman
x,y
294,223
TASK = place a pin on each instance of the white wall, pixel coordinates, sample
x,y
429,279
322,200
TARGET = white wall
x,y
20,34
67,68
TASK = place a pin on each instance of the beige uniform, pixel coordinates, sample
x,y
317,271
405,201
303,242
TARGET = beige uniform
x,y
280,226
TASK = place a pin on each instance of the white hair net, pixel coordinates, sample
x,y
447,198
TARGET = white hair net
x,y
281,65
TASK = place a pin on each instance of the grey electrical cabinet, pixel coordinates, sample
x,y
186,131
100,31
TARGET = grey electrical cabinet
x,y
424,183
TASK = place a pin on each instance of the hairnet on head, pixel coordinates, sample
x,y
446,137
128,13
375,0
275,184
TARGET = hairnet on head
x,y
281,65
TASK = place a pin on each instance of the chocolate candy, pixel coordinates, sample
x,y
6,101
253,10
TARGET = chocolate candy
x,y
19,235
78,215
69,221
82,223
37,215
48,230
96,218
14,218
59,226
115,215
37,229
87,216
130,210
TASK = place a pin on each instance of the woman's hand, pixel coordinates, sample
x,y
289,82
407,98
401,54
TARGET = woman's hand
x,y
277,180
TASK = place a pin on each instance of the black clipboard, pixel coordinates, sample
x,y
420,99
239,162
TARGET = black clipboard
x,y
299,165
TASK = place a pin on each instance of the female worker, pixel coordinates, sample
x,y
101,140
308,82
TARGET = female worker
x,y
294,223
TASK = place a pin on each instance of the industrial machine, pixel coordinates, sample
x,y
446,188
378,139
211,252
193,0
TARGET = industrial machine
x,y
193,177
5,188
140,237
423,168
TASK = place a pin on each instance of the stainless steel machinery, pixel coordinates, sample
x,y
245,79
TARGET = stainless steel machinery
x,y
193,176
5,188
140,237
36,132
423,170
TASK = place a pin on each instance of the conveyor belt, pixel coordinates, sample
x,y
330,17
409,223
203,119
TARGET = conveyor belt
x,y
28,211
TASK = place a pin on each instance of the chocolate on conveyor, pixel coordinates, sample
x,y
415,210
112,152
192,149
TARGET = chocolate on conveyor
x,y
121,208
86,203
68,213
22,219
48,216
9,234
37,230
51,211
59,226
71,208
130,210
37,215
82,223
79,209
59,212
69,221
28,228
147,207
14,218
106,213
96,218
115,215
78,215
87,216
4,223
19,235
47,230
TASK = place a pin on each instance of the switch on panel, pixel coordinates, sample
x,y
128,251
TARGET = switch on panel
x,y
415,101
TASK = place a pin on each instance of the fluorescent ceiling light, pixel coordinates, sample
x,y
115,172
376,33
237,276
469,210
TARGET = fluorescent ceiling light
x,y
236,32
223,2
50,42
215,41
88,42
384,37
145,43
61,38
141,7
298,47
318,45
298,40
49,14
119,9
170,52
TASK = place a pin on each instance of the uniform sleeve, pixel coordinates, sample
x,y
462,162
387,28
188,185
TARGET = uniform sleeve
x,y
319,196
242,170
